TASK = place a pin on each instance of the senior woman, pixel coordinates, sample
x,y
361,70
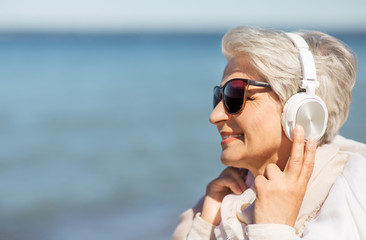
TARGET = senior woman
x,y
282,184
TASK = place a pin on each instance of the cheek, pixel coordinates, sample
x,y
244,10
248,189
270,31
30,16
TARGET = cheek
x,y
264,122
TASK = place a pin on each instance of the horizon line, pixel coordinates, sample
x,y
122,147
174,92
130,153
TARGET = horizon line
x,y
84,32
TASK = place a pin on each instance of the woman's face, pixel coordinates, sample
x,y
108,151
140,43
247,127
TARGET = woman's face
x,y
254,137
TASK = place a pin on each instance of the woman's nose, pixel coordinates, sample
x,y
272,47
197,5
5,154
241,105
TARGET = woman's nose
x,y
218,114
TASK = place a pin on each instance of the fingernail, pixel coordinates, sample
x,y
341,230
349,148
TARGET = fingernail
x,y
298,129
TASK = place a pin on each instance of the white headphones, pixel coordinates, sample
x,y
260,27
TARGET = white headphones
x,y
305,108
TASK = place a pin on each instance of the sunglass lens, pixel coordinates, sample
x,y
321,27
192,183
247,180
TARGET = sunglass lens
x,y
234,95
216,97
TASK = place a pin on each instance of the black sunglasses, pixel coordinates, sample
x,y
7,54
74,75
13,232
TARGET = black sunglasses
x,y
234,93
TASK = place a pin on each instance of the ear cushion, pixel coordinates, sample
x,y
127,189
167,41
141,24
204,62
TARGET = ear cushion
x,y
308,111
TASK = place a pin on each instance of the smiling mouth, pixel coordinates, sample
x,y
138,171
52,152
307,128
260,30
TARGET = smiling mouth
x,y
229,137
232,136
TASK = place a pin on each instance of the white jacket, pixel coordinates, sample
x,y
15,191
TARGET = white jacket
x,y
334,205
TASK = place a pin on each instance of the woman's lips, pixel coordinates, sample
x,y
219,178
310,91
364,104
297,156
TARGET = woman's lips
x,y
229,137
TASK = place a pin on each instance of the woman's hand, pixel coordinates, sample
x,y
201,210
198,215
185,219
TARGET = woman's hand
x,y
280,193
231,180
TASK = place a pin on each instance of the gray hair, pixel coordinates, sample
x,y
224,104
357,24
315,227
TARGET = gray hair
x,y
276,60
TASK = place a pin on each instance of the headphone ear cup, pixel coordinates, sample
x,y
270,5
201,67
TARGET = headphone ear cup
x,y
308,111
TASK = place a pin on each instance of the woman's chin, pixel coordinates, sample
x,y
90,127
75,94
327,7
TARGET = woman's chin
x,y
231,160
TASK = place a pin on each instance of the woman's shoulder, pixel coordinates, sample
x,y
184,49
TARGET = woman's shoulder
x,y
356,152
346,200
355,168
350,146
353,175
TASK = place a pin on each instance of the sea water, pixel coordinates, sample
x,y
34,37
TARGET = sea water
x,y
107,136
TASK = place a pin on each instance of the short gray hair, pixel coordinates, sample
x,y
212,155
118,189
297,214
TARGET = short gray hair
x,y
276,60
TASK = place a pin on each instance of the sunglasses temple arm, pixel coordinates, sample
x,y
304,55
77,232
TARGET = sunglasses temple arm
x,y
258,83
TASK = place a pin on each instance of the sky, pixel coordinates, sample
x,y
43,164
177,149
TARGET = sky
x,y
172,15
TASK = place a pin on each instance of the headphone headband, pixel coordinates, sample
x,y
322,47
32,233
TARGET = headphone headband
x,y
305,108
309,81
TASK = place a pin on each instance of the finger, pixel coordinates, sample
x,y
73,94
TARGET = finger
x,y
231,183
240,179
295,162
272,171
237,175
309,158
259,182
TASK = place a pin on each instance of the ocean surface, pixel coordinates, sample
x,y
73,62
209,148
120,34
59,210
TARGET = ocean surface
x,y
107,136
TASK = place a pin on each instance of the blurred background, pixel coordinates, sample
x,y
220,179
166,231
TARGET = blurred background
x,y
105,104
